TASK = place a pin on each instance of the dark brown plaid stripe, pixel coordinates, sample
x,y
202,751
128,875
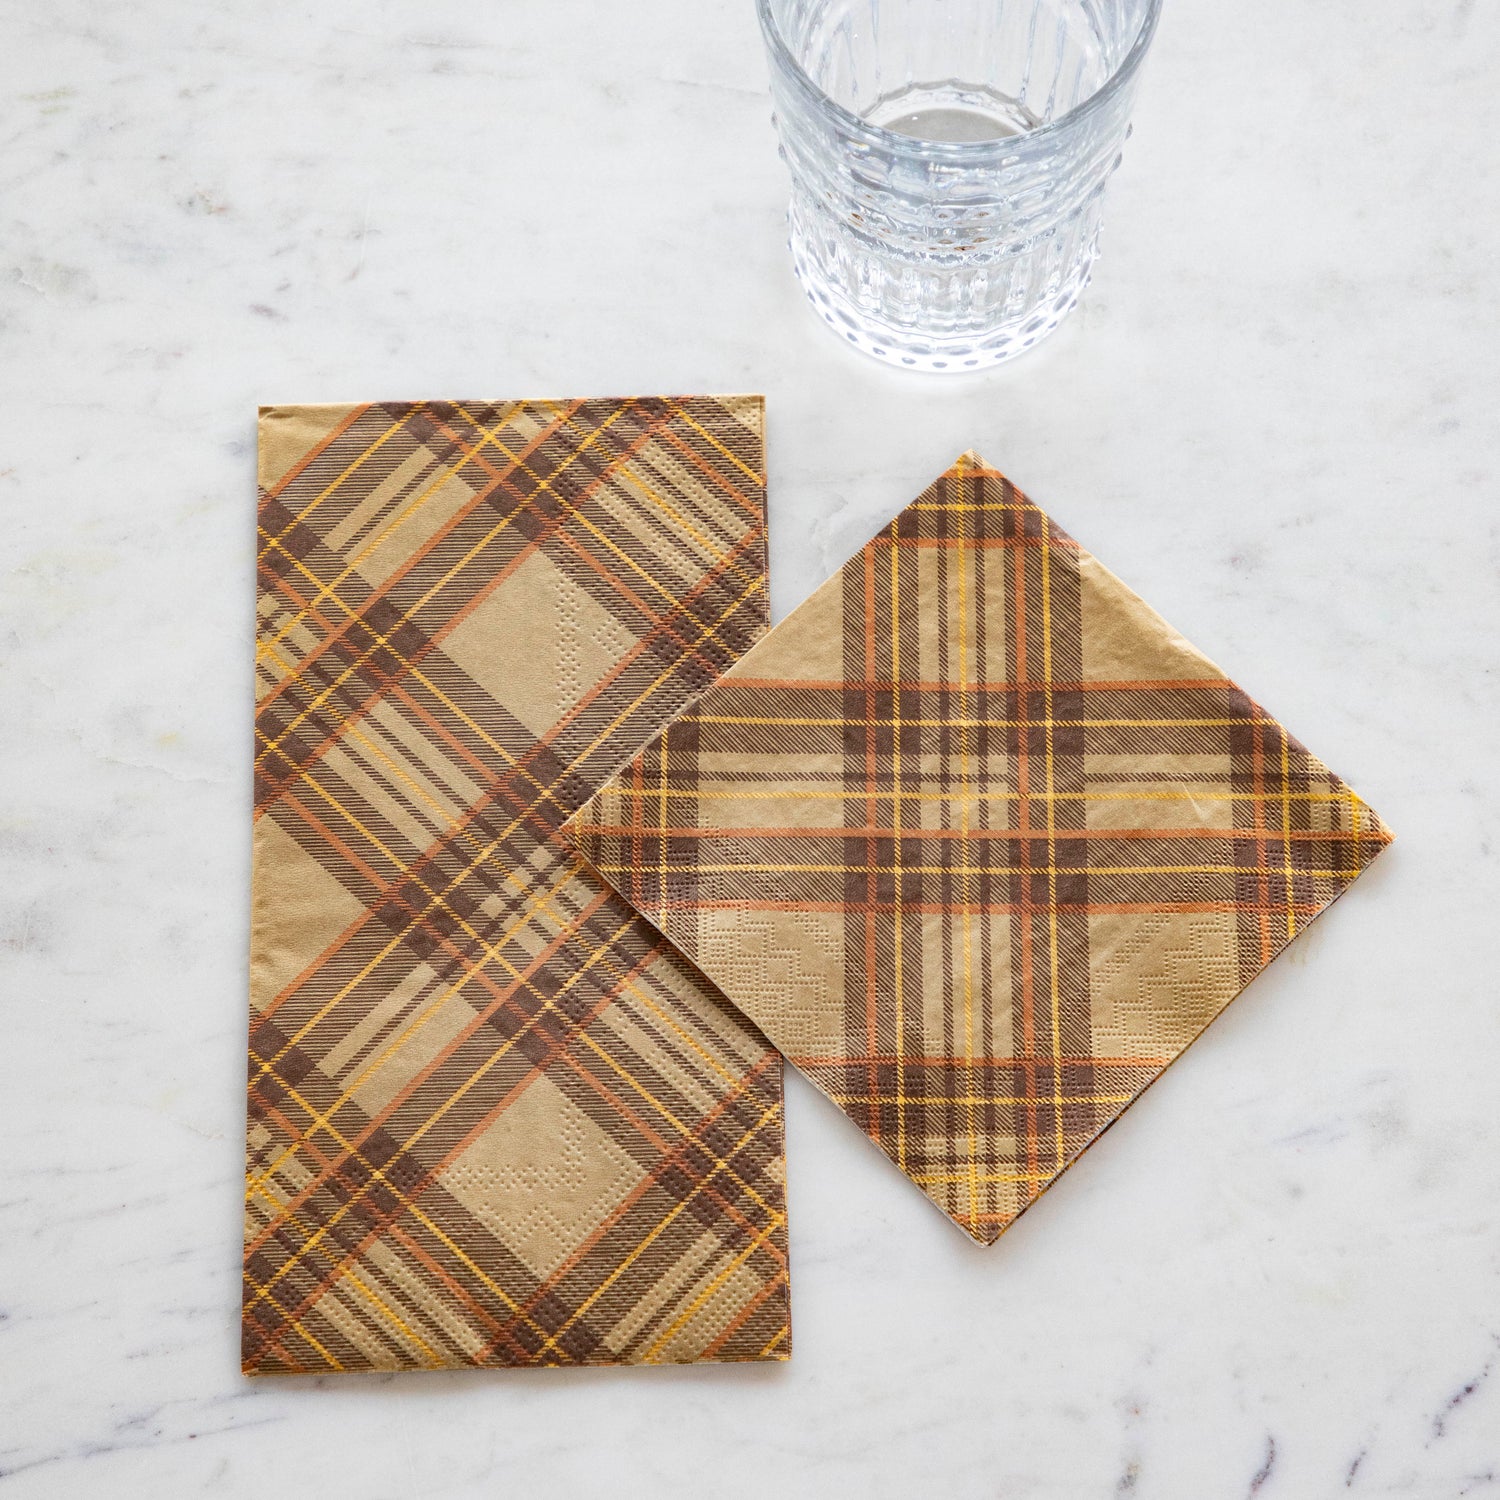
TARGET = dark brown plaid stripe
x,y
493,1118
979,841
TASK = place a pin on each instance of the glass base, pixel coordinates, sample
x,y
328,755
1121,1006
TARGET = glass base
x,y
954,354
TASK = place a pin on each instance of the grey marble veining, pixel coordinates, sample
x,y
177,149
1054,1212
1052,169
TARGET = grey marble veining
x,y
1274,416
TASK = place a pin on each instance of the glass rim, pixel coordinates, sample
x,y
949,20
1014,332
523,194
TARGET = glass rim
x,y
960,151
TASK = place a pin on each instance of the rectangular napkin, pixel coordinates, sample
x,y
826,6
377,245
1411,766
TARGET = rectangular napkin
x,y
979,841
494,1119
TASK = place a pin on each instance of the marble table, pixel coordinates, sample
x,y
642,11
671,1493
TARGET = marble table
x,y
1274,416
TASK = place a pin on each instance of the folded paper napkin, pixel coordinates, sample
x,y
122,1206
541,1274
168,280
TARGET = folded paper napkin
x,y
494,1119
979,841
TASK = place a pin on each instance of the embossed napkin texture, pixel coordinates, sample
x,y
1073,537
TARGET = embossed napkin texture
x,y
979,841
494,1119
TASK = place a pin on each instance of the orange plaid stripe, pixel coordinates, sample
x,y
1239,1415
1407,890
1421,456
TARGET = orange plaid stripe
x,y
493,1118
979,841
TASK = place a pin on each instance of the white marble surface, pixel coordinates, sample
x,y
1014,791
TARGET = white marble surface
x,y
1274,416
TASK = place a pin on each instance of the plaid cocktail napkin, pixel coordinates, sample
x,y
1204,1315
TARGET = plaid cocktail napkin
x,y
979,841
494,1118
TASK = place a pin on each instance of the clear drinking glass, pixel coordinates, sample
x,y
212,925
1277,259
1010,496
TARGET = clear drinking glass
x,y
948,162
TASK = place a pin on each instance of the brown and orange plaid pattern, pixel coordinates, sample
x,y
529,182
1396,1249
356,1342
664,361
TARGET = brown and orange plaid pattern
x,y
979,841
493,1118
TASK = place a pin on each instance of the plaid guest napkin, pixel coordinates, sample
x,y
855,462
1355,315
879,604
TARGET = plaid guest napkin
x,y
494,1119
979,841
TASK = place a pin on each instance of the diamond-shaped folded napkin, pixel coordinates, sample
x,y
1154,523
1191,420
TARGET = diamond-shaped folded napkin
x,y
494,1119
979,841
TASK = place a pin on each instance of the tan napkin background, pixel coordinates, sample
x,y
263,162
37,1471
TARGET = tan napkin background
x,y
493,1118
979,841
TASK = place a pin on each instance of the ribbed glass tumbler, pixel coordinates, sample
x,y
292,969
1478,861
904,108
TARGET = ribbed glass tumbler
x,y
948,162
